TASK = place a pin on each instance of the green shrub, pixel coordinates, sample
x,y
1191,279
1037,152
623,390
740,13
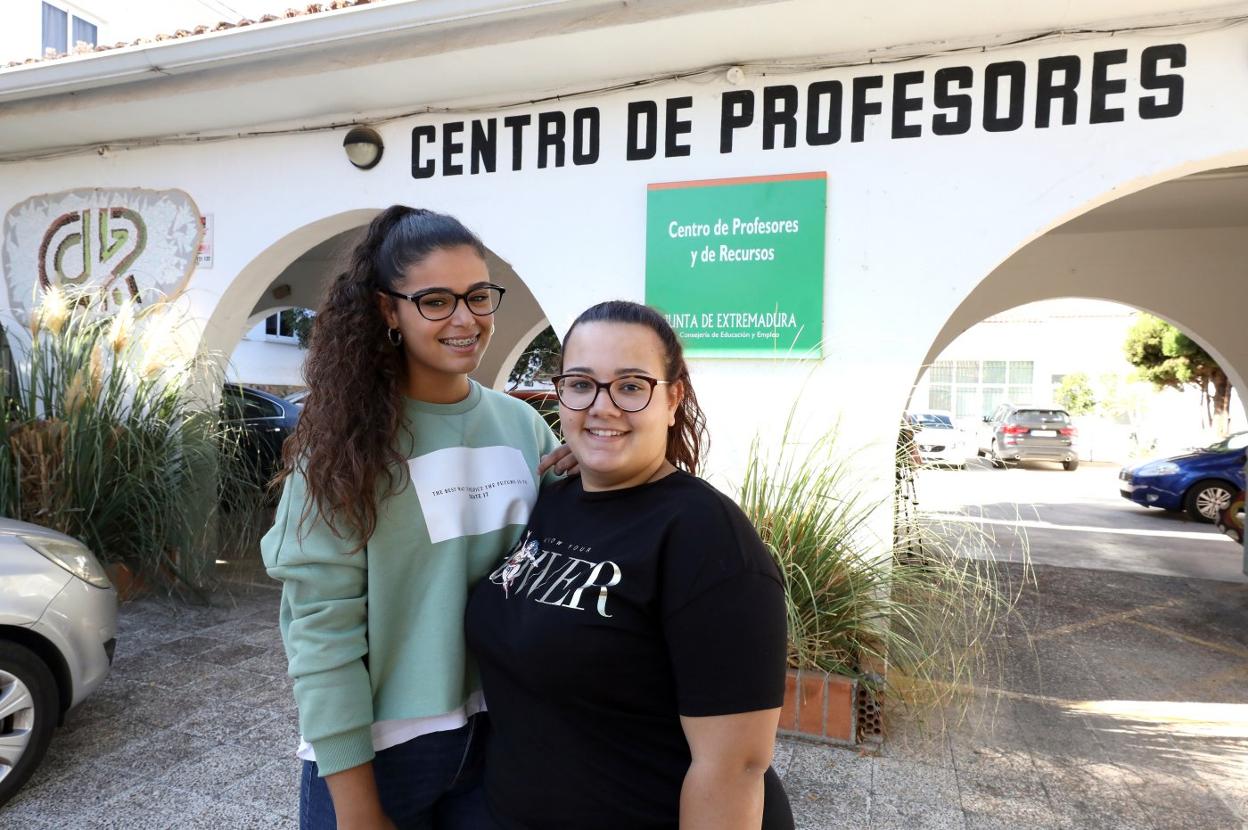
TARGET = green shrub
x,y
911,616
108,440
1075,394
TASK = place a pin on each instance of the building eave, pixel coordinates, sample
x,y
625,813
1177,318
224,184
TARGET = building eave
x,y
279,39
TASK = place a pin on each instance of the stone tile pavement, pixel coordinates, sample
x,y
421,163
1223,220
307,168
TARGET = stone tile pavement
x,y
195,728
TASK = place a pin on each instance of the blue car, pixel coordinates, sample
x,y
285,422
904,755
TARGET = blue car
x,y
1203,482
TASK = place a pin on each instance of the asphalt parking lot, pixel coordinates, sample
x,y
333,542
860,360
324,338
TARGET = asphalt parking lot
x,y
1076,519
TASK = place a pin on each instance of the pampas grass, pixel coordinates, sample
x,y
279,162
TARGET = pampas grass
x,y
107,438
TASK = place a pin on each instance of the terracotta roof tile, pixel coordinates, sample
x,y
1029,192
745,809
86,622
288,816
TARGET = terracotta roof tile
x,y
181,34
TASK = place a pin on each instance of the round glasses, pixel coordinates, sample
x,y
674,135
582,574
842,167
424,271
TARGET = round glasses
x,y
630,393
438,303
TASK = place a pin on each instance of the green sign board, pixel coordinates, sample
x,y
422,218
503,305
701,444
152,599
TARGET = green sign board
x,y
736,265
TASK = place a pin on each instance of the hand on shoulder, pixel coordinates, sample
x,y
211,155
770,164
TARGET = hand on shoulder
x,y
562,459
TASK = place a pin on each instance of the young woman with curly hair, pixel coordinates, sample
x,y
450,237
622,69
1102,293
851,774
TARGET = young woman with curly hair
x,y
404,483
632,646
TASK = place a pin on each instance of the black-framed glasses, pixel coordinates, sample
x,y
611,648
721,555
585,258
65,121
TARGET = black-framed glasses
x,y
437,303
630,393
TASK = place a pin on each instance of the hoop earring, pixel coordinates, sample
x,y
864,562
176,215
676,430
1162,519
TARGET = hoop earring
x,y
395,337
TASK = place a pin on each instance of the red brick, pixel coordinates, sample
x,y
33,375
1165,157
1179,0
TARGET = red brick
x,y
812,703
840,698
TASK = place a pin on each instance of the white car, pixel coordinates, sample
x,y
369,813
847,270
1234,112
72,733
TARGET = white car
x,y
939,441
58,629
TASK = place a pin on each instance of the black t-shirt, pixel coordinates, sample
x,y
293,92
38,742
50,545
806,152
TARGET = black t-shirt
x,y
623,610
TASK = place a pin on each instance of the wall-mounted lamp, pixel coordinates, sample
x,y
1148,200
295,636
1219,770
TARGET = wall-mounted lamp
x,y
364,147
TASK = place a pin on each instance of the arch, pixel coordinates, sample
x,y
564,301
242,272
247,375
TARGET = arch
x,y
268,311
500,379
246,300
955,327
522,313
228,321
1122,190
1149,268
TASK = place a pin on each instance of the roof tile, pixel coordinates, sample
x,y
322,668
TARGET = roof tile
x,y
82,48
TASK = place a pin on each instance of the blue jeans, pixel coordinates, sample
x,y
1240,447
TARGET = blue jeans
x,y
432,782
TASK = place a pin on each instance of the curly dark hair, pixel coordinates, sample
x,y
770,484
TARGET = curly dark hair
x,y
345,443
687,438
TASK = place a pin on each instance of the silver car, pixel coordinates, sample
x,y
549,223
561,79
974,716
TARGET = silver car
x,y
58,629
1029,433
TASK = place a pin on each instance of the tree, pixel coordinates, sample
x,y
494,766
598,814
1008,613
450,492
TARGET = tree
x,y
1075,394
1117,401
1168,358
539,360
300,319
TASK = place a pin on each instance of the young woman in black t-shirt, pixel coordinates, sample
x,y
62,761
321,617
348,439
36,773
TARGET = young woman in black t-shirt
x,y
632,646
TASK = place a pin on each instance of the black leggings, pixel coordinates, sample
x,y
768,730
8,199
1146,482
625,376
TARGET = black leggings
x,y
777,814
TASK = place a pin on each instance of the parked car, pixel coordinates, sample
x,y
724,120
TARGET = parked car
x,y
58,629
297,398
545,401
265,420
1028,433
1203,482
938,440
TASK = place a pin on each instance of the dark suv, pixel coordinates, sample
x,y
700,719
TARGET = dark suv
x,y
1028,433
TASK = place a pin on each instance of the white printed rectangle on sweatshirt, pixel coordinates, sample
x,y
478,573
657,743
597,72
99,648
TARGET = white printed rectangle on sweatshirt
x,y
466,491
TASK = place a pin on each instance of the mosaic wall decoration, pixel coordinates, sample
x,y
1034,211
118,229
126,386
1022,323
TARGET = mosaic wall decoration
x,y
115,243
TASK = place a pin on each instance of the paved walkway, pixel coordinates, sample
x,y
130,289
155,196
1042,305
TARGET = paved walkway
x,y
1123,705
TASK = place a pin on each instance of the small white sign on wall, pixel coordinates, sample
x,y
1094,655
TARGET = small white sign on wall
x,y
204,258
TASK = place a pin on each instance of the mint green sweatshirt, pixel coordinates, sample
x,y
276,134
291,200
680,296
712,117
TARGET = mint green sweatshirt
x,y
378,635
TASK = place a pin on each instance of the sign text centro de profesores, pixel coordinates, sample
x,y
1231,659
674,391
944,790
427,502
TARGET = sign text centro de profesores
x,y
736,265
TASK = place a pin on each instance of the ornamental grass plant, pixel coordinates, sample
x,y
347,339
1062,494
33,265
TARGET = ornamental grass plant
x,y
107,438
912,616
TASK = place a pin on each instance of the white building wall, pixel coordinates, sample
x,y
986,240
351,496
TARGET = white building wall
x,y
263,359
21,29
1060,337
266,363
21,35
913,225
21,21
130,20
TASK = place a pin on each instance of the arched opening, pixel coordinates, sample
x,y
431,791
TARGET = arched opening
x,y
1048,387
1051,351
1177,251
517,350
1116,649
292,273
